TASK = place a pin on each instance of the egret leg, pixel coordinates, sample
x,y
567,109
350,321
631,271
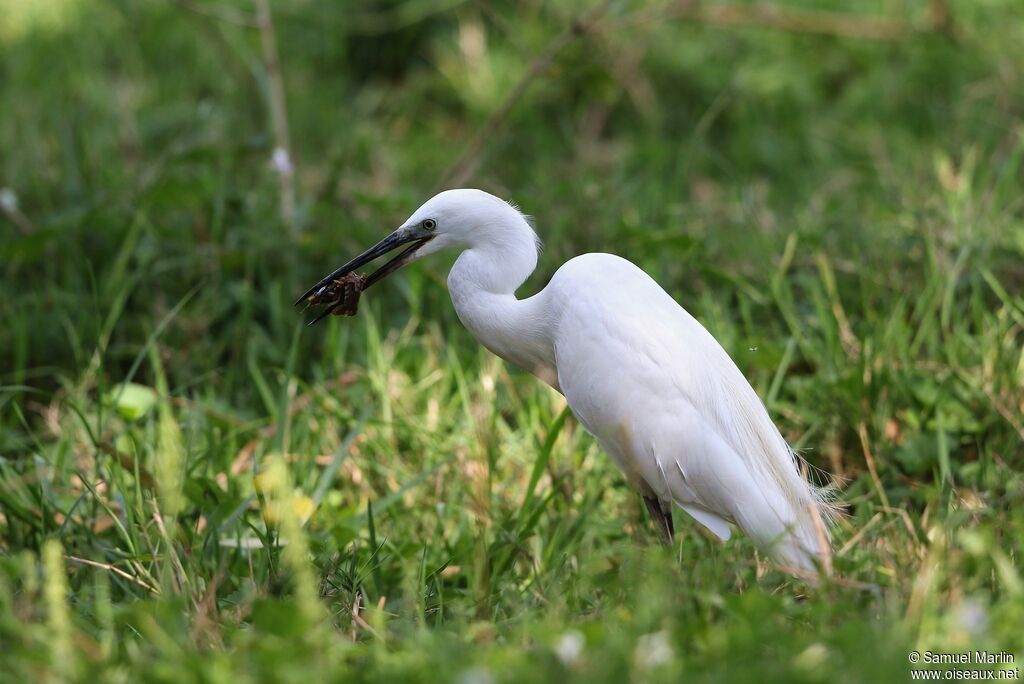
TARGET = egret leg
x,y
662,517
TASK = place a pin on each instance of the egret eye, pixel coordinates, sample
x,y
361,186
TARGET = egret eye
x,y
429,224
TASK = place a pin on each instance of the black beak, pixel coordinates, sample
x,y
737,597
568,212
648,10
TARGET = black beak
x,y
396,239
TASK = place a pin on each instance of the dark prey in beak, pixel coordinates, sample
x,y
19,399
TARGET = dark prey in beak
x,y
341,289
342,294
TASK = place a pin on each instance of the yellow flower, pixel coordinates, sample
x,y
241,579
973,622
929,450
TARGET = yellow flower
x,y
300,506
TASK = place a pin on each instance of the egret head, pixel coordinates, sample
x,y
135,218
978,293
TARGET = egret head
x,y
465,218
454,218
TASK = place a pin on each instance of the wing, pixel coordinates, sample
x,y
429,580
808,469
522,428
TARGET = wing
x,y
672,409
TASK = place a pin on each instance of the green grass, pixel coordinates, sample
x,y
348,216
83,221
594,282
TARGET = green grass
x,y
195,487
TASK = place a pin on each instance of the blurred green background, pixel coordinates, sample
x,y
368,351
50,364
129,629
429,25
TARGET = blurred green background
x,y
834,189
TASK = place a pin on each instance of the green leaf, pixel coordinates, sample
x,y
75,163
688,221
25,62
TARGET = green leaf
x,y
132,401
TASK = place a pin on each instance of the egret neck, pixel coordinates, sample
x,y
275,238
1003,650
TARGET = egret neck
x,y
482,285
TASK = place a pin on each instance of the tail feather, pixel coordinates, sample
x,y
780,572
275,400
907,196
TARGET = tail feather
x,y
792,517
802,545
794,524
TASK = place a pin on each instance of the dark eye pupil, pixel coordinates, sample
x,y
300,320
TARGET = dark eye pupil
x,y
429,224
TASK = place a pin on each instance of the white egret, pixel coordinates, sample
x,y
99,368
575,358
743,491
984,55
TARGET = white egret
x,y
655,389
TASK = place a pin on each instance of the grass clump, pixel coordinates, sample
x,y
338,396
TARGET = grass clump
x,y
195,487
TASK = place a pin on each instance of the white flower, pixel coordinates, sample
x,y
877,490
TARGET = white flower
x,y
475,675
282,162
8,200
971,616
653,650
569,647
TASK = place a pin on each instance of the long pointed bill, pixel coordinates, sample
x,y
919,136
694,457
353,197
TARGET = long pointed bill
x,y
396,239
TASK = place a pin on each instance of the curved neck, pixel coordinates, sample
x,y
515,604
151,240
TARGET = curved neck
x,y
482,284
500,259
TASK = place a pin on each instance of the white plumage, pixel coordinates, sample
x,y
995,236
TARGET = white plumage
x,y
655,389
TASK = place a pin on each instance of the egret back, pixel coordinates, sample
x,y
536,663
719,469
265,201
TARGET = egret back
x,y
674,411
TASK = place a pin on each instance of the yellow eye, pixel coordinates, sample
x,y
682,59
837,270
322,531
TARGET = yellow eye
x,y
429,224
